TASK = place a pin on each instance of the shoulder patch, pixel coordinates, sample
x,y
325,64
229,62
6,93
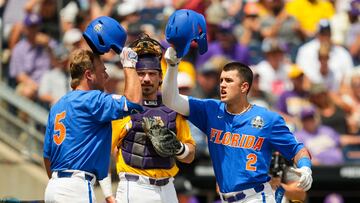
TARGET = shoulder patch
x,y
257,122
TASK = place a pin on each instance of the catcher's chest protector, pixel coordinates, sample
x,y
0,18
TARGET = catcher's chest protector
x,y
137,149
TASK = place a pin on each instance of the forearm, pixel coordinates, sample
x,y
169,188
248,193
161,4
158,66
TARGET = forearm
x,y
190,156
132,90
292,192
170,93
303,153
47,167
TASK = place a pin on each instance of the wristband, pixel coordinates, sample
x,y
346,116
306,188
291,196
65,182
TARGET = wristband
x,y
305,161
105,185
129,67
183,152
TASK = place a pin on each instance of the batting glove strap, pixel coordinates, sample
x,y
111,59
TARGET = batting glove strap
x,y
105,185
183,151
128,58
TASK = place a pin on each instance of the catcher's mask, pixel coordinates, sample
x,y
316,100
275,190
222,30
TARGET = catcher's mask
x,y
183,27
105,33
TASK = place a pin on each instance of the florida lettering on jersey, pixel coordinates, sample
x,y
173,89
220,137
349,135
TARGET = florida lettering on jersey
x,y
236,140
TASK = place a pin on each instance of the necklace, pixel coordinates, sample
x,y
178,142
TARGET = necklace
x,y
243,111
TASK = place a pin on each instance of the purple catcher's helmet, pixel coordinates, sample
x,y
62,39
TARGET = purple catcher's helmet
x,y
105,33
183,27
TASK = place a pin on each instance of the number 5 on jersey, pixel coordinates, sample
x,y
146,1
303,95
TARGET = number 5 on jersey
x,y
59,128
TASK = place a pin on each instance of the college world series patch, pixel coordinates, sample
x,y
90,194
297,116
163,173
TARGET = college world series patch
x,y
257,122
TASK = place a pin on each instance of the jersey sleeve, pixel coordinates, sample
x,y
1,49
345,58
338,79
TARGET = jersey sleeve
x,y
119,129
183,132
283,140
107,107
198,114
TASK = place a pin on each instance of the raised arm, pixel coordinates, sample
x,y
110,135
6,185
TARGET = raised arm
x,y
132,92
170,92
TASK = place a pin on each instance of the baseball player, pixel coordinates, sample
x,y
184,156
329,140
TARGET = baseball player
x,y
78,134
146,165
241,136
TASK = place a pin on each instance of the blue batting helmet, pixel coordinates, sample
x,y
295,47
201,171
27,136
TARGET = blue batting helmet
x,y
183,27
105,33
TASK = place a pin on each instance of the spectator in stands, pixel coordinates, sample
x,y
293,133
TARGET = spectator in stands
x,y
68,16
31,58
291,102
327,76
225,45
72,39
273,69
55,83
331,114
48,11
352,35
248,32
279,24
309,13
116,82
322,141
352,99
339,62
207,78
256,95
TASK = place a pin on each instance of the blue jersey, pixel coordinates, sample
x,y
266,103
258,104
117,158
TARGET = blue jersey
x,y
78,133
241,145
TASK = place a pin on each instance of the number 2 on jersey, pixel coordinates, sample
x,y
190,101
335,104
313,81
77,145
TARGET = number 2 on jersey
x,y
59,127
251,160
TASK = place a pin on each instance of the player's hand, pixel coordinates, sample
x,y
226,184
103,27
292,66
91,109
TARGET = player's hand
x,y
128,58
110,199
305,177
171,58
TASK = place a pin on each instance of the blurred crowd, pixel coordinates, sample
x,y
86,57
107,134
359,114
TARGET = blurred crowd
x,y
304,54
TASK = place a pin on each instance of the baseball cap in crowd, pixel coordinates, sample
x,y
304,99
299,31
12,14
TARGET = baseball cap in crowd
x,y
307,112
213,65
215,13
354,8
272,45
251,9
324,26
61,53
72,36
226,26
127,8
295,71
32,19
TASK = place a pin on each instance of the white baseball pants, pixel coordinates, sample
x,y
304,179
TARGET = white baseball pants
x,y
141,191
76,188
